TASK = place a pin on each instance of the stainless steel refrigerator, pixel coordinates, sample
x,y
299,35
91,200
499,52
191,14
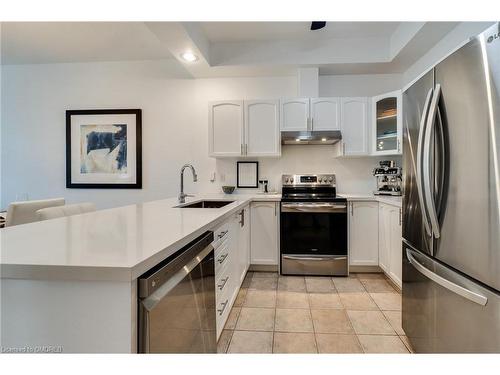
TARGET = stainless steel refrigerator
x,y
451,202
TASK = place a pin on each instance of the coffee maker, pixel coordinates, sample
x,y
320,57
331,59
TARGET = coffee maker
x,y
389,178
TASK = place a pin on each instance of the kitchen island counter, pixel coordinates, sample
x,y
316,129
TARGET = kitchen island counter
x,y
117,244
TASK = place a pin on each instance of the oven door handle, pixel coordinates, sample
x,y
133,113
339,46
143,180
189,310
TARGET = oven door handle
x,y
313,207
291,257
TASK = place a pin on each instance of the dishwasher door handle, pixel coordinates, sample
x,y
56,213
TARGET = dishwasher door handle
x,y
150,302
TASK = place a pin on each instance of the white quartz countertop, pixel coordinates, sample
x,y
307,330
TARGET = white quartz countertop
x,y
117,244
387,199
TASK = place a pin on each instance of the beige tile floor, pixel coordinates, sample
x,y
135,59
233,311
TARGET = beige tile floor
x,y
290,314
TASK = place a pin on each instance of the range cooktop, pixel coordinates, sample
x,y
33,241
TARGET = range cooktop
x,y
309,188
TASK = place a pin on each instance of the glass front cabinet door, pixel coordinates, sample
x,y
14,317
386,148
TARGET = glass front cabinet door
x,y
387,124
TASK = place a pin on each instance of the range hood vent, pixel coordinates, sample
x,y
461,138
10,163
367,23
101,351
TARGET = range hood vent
x,y
327,137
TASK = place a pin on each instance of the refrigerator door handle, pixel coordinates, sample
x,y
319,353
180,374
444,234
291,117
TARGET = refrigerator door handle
x,y
420,188
461,291
429,131
441,172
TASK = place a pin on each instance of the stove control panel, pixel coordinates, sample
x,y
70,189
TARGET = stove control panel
x,y
308,179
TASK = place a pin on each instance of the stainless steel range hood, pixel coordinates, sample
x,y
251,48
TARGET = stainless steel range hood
x,y
327,137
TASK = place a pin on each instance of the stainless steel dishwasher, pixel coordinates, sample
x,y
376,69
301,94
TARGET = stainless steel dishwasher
x,y
177,302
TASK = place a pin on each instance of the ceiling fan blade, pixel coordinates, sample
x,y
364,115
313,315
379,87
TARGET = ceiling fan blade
x,y
316,25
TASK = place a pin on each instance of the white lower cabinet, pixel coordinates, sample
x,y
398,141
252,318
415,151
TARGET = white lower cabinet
x,y
232,259
363,233
375,237
390,253
243,223
383,238
264,232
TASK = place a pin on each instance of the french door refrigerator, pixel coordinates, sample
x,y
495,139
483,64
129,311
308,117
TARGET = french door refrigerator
x,y
451,202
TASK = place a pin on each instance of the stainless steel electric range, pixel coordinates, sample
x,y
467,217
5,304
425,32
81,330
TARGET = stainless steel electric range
x,y
313,227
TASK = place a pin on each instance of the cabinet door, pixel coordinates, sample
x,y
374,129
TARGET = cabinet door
x,y
225,134
396,256
264,233
363,234
243,243
295,114
384,244
354,114
262,129
386,118
325,114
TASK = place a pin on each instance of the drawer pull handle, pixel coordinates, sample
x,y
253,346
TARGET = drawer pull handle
x,y
222,258
223,283
223,304
222,234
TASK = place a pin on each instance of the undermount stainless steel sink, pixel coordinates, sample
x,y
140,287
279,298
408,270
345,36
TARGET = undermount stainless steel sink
x,y
206,204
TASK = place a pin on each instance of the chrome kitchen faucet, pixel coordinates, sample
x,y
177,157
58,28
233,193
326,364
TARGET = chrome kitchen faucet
x,y
182,196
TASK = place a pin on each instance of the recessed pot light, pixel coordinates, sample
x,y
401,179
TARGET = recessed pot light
x,y
189,56
323,139
297,140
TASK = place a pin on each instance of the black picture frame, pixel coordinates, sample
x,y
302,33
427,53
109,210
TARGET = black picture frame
x,y
256,174
138,145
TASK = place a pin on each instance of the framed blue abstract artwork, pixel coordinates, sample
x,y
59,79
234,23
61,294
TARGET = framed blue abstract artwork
x,y
103,149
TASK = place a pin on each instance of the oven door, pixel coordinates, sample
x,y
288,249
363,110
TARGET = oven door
x,y
313,238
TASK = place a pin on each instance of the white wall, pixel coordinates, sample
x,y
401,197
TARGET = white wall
x,y
33,125
353,174
455,38
359,85
1,185
175,128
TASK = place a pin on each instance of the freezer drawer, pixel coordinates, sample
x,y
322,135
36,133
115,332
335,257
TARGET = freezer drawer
x,y
319,265
444,312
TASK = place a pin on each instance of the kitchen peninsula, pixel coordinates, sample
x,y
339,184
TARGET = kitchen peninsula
x,y
72,282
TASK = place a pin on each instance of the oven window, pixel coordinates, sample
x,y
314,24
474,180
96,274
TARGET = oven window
x,y
310,233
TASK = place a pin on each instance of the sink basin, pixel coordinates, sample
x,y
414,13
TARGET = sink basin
x,y
207,204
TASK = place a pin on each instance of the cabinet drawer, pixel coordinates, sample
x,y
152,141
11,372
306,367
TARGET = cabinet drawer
x,y
221,234
222,309
222,245
222,257
223,280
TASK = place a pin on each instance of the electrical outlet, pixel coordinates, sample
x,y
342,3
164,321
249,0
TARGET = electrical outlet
x,y
222,177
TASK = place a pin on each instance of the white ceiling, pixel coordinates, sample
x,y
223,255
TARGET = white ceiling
x,y
228,48
220,32
56,42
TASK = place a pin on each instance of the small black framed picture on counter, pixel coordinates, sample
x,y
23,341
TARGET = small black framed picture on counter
x,y
104,149
247,174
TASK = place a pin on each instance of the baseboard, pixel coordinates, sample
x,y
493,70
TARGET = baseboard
x,y
370,269
393,284
263,268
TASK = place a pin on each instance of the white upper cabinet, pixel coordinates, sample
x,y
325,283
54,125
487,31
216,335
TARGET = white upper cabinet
x,y
354,126
325,113
295,114
262,129
225,135
387,128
